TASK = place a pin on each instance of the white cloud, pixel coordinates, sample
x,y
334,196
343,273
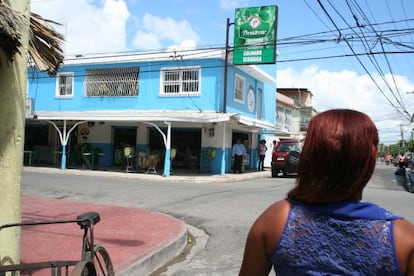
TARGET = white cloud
x,y
88,28
347,89
232,4
185,45
163,30
146,40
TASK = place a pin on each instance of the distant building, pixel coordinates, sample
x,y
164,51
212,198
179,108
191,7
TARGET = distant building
x,y
293,112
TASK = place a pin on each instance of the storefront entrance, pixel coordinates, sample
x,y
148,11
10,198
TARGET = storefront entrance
x,y
244,137
185,141
123,137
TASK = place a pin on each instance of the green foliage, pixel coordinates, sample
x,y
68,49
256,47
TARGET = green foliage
x,y
395,149
409,145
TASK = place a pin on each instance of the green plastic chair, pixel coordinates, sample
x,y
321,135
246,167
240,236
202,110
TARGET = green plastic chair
x,y
129,155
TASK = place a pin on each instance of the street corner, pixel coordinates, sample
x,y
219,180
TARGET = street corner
x,y
137,240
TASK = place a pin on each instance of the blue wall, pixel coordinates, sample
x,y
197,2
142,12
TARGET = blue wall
x,y
268,100
42,88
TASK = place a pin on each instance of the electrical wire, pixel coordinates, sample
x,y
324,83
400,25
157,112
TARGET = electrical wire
x,y
359,60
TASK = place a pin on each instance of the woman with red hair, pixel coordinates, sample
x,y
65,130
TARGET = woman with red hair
x,y
324,227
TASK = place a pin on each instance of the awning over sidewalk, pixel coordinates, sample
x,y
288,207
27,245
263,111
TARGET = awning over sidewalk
x,y
253,123
135,116
148,117
155,116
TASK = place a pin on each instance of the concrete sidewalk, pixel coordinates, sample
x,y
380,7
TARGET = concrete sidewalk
x,y
138,241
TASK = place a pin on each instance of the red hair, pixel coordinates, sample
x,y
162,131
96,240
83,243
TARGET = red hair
x,y
338,157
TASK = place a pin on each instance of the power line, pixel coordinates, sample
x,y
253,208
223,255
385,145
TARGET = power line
x,y
364,42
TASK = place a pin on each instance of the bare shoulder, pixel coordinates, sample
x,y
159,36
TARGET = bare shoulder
x,y
404,245
276,213
279,209
262,239
272,222
404,229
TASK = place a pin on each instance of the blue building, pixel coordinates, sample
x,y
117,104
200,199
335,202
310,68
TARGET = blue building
x,y
148,111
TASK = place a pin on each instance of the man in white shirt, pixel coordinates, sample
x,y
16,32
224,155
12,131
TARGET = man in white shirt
x,y
238,152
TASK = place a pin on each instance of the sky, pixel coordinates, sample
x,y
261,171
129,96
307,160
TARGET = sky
x,y
356,54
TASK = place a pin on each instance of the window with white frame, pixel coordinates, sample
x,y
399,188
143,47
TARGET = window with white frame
x,y
64,85
177,81
239,88
112,82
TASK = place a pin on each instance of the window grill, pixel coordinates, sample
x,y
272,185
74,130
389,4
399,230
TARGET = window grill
x,y
181,81
112,82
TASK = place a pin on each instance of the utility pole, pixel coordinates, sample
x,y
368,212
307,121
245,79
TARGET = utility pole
x,y
13,81
226,64
402,136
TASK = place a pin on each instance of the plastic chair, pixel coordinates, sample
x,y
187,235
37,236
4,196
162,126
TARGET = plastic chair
x,y
209,155
142,160
152,163
87,156
172,156
129,155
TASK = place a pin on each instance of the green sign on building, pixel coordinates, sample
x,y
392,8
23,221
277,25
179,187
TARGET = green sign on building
x,y
255,35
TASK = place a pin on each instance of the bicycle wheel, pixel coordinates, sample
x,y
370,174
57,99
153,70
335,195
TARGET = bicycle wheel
x,y
84,268
102,261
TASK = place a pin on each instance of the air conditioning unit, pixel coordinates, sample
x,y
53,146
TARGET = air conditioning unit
x,y
29,108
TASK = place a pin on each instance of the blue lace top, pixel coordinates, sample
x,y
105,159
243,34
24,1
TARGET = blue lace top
x,y
348,238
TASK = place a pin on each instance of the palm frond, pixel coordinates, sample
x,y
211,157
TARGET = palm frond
x,y
10,35
45,44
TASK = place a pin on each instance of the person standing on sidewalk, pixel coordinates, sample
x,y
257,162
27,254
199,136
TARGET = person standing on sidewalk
x,y
238,151
274,145
261,151
323,227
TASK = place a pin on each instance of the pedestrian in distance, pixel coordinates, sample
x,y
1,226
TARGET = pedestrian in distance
x,y
238,151
261,151
274,145
323,227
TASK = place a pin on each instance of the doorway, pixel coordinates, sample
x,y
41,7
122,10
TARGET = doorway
x,y
186,141
244,137
123,136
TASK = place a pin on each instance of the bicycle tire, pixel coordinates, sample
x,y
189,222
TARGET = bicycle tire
x,y
84,268
103,262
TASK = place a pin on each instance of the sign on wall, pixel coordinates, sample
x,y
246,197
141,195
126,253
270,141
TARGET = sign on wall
x,y
255,35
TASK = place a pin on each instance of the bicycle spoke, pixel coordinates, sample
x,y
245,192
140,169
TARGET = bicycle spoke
x,y
84,268
103,263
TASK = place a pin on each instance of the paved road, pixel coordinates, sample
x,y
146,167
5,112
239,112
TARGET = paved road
x,y
221,213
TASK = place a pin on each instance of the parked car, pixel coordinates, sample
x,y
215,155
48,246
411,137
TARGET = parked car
x,y
285,158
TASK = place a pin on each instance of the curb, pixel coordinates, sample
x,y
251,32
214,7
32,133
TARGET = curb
x,y
200,239
161,256
173,178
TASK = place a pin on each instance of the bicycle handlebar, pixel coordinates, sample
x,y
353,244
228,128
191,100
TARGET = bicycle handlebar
x,y
84,220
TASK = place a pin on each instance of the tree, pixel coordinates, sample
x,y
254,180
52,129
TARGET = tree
x,y
22,34
395,150
410,145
